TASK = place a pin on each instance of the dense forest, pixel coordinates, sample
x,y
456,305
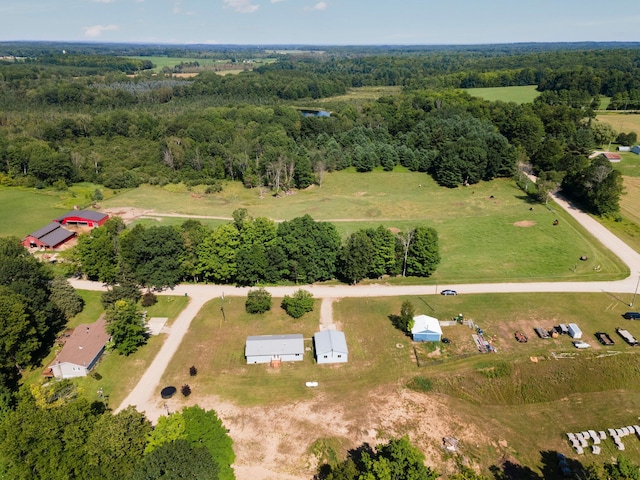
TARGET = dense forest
x,y
77,116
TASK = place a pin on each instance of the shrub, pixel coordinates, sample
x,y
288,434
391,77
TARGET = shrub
x,y
258,301
185,390
420,384
193,371
298,304
149,299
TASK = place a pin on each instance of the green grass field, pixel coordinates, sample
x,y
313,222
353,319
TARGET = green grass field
x,y
524,94
518,238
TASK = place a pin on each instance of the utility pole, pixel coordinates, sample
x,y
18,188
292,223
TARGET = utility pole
x,y
224,317
635,293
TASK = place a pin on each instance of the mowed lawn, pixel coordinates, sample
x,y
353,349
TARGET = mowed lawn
x,y
524,94
488,232
592,389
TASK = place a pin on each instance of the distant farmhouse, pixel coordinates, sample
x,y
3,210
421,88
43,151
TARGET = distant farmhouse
x,y
612,157
81,351
331,347
50,237
426,329
274,348
83,218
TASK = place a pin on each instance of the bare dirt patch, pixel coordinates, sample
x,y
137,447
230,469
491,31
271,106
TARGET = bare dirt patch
x,y
272,442
524,223
128,214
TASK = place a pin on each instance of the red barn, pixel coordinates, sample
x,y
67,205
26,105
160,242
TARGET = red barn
x,y
87,218
51,237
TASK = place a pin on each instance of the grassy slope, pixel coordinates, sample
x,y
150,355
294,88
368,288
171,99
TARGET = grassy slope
x,y
463,217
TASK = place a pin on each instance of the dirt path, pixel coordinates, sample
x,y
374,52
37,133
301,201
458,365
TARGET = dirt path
x,y
326,315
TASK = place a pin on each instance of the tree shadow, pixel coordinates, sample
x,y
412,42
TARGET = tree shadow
x,y
556,465
553,465
509,470
354,455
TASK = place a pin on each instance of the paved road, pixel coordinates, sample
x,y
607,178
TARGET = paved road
x,y
141,395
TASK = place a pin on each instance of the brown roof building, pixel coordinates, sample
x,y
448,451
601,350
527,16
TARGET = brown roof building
x,y
81,351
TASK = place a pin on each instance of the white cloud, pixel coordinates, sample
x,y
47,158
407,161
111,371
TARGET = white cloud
x,y
241,6
320,6
98,30
277,1
177,8
103,1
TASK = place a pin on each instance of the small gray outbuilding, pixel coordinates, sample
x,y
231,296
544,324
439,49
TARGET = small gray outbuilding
x,y
331,347
268,348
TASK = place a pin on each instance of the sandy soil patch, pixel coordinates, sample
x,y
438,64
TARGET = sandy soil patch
x,y
273,442
525,223
128,214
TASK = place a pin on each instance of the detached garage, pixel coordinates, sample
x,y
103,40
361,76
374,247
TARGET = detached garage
x,y
331,347
426,329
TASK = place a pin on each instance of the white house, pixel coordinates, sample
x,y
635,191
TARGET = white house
x,y
81,350
268,348
331,347
426,329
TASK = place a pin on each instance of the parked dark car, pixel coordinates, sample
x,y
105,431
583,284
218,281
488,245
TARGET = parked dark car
x,y
632,315
448,292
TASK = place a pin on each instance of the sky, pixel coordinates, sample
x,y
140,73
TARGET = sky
x,y
320,22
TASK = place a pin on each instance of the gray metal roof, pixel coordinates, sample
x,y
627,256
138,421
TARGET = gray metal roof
x,y
56,237
274,345
330,341
52,234
45,230
87,214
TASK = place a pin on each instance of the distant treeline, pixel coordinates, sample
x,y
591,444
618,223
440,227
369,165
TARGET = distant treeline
x,y
61,124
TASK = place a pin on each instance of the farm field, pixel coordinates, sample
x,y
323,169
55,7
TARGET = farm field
x,y
360,94
368,396
621,122
515,235
524,94
161,62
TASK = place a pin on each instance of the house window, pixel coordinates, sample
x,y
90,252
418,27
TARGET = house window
x,y
339,356
325,356
297,354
